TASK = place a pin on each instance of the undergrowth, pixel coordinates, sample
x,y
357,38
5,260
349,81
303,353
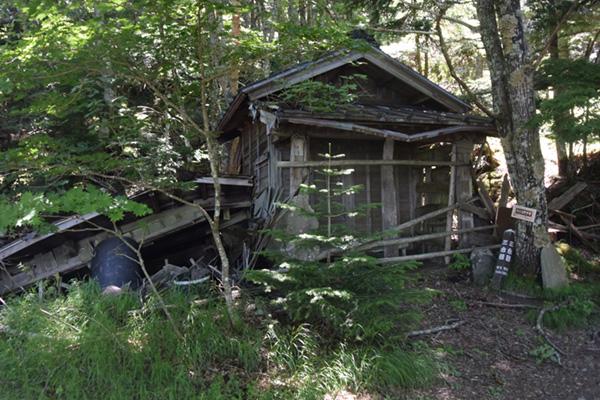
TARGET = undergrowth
x,y
82,345
581,302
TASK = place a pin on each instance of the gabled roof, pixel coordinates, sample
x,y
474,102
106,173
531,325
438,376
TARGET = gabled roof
x,y
379,63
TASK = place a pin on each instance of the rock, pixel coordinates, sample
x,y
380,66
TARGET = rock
x,y
483,265
554,272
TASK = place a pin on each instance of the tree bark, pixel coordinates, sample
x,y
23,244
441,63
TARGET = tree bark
x,y
502,31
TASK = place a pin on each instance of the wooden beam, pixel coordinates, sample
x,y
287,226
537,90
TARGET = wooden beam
x,y
227,181
420,238
400,136
61,226
464,189
480,212
486,199
298,74
451,201
416,221
340,163
503,202
389,211
564,199
427,256
298,153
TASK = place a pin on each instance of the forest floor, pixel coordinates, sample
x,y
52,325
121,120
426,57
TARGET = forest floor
x,y
489,355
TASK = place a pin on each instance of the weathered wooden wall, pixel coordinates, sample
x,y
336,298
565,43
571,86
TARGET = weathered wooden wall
x,y
427,177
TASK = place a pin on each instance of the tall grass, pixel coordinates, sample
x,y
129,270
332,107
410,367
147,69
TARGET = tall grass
x,y
88,346
83,345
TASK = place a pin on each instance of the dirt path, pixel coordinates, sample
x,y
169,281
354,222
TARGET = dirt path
x,y
489,355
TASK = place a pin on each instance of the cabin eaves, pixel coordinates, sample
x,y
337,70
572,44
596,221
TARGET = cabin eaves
x,y
378,63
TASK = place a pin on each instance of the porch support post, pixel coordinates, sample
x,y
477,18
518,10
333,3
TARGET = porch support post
x,y
464,189
298,152
389,211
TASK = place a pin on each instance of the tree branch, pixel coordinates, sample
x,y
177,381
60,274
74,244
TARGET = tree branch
x,y
540,324
473,28
462,83
436,329
563,21
399,31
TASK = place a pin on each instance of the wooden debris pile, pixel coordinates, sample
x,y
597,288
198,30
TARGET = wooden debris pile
x,y
574,213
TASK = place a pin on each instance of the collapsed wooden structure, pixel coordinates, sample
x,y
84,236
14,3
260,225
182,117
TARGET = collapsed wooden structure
x,y
174,232
408,141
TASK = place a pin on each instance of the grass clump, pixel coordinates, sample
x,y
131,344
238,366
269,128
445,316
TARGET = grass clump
x,y
85,345
580,310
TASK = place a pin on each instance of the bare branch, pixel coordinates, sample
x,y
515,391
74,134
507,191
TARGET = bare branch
x,y
462,83
540,324
433,13
436,329
399,31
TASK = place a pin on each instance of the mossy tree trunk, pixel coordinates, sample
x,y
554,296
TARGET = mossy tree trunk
x,y
502,30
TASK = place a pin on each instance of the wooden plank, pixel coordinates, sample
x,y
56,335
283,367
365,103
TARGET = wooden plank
x,y
464,190
579,234
298,74
349,200
505,191
413,79
421,238
225,203
564,199
349,163
451,201
389,211
439,254
227,181
368,196
44,265
298,152
274,157
480,212
62,225
486,199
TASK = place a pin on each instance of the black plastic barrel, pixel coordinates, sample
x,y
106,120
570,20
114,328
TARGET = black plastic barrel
x,y
115,264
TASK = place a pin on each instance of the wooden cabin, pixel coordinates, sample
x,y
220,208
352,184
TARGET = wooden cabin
x,y
409,142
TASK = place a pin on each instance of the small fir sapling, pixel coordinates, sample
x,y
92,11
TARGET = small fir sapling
x,y
349,293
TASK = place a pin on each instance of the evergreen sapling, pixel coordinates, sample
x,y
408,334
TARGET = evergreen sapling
x,y
343,292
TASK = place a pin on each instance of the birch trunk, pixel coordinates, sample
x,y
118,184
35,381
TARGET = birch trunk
x,y
503,34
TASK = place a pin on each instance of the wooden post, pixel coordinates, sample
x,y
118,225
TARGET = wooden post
x,y
368,195
451,201
349,200
504,259
464,189
389,217
274,157
298,152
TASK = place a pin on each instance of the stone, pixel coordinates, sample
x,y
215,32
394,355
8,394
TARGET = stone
x,y
483,265
554,272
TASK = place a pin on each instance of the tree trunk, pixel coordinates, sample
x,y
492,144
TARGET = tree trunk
x,y
503,36
561,146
